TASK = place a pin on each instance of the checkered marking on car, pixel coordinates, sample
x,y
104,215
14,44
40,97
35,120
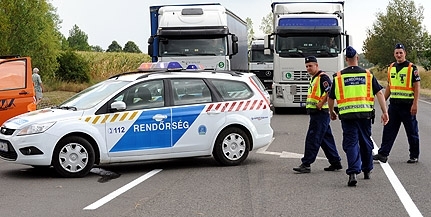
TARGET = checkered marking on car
x,y
237,106
107,118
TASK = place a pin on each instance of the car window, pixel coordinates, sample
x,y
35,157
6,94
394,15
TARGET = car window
x,y
190,91
12,75
258,82
144,95
232,90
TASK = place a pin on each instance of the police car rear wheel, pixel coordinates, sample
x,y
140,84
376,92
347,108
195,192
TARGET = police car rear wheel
x,y
231,147
73,157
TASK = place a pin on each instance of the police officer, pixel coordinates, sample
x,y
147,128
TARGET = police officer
x,y
354,89
319,132
403,88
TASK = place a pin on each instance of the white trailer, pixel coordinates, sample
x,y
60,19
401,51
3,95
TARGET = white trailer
x,y
304,29
200,34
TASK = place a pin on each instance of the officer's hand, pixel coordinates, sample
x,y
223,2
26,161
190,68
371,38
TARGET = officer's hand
x,y
414,109
333,116
319,105
385,118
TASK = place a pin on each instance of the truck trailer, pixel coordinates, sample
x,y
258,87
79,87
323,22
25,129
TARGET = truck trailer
x,y
208,35
302,29
260,63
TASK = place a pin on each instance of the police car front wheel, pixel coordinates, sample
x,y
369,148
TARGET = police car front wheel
x,y
73,157
232,147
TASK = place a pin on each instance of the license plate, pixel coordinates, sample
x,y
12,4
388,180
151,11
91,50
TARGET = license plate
x,y
3,146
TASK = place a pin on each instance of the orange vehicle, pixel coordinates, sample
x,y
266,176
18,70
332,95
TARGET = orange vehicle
x,y
16,87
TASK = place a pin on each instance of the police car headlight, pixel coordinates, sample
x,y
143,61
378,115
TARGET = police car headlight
x,y
35,128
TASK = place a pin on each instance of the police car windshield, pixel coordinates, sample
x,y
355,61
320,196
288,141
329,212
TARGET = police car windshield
x,y
94,94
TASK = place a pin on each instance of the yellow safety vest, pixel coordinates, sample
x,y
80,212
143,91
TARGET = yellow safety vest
x,y
315,94
401,83
354,92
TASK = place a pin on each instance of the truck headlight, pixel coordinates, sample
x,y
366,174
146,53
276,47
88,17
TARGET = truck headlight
x,y
35,128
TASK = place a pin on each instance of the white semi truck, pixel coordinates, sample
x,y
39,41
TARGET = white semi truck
x,y
208,35
303,29
260,63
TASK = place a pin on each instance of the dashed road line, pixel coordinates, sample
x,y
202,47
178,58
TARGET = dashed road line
x,y
121,190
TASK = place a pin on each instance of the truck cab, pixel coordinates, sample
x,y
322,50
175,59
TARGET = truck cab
x,y
208,35
260,63
16,87
304,29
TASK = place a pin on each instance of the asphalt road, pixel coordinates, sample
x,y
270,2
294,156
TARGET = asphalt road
x,y
264,185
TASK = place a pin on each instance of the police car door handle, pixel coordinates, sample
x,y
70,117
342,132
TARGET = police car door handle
x,y
159,117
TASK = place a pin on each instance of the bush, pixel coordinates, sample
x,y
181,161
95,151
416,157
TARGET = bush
x,y
73,68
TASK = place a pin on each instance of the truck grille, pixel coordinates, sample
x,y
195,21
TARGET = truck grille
x,y
301,76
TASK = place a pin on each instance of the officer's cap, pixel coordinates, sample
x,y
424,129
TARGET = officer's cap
x,y
400,46
310,59
350,52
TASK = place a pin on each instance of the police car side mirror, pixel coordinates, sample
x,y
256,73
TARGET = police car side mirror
x,y
118,106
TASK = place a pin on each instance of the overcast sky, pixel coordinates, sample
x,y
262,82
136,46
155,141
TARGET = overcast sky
x,y
129,20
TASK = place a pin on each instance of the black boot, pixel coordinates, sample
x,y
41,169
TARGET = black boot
x,y
333,167
352,180
303,168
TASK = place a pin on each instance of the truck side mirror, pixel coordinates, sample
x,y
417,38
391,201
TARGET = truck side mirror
x,y
267,45
349,40
234,45
150,46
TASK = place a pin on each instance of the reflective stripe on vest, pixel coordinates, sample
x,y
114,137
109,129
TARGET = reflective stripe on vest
x,y
354,92
401,83
315,93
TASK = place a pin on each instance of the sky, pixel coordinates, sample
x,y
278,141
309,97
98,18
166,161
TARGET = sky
x,y
129,20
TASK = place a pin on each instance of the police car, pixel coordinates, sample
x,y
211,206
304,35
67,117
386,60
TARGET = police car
x,y
153,113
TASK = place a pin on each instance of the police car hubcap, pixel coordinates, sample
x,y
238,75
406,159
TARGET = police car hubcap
x,y
233,146
73,157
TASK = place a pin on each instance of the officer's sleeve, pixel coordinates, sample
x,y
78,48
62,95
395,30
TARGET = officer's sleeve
x,y
325,83
415,72
376,86
332,91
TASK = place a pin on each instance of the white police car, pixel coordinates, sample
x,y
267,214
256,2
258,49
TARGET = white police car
x,y
145,115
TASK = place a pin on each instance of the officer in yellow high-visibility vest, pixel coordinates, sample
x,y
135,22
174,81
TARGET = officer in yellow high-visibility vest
x,y
319,132
403,88
354,89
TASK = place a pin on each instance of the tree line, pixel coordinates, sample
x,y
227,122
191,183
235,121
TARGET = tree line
x,y
31,28
402,22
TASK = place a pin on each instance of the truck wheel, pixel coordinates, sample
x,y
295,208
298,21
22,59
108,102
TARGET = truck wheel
x,y
73,157
231,147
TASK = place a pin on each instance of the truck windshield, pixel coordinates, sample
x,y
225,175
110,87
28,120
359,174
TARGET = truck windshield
x,y
302,46
192,47
257,55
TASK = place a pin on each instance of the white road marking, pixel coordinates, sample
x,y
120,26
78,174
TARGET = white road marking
x,y
121,190
283,154
398,187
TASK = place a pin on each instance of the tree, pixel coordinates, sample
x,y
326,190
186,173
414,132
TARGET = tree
x,y
30,28
114,47
425,54
249,30
77,39
267,23
96,48
131,47
402,23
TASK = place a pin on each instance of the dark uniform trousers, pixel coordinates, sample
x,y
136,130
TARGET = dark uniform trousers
x,y
400,113
319,134
359,156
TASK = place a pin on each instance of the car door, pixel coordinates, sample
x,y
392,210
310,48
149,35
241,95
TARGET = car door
x,y
16,87
196,117
145,126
